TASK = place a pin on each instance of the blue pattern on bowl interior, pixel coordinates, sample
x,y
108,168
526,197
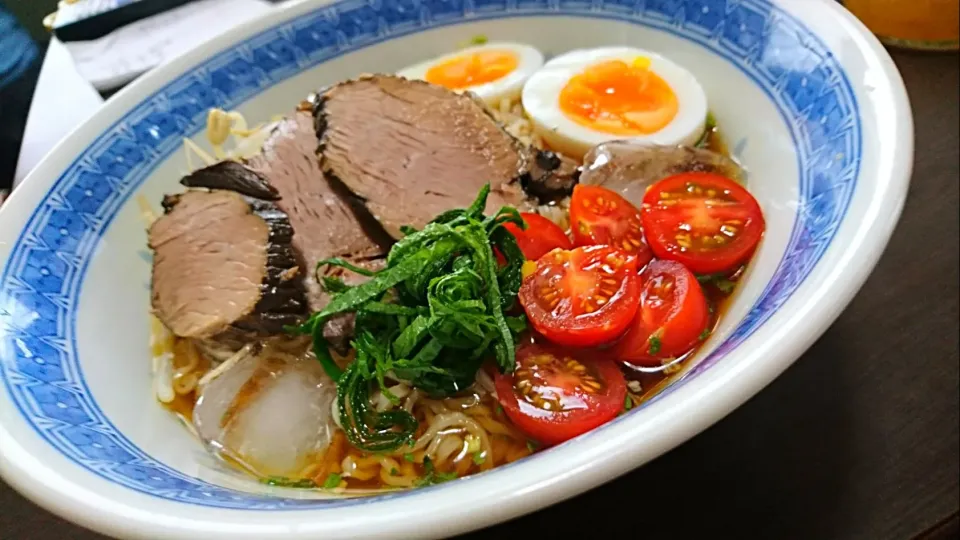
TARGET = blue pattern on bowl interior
x,y
40,285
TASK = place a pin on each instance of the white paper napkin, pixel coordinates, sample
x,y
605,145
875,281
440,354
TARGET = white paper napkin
x,y
125,53
66,93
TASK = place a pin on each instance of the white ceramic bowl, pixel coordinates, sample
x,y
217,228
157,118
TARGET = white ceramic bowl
x,y
805,95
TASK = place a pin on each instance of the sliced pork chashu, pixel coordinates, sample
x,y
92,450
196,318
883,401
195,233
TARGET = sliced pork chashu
x,y
325,216
403,151
224,267
329,221
412,150
221,233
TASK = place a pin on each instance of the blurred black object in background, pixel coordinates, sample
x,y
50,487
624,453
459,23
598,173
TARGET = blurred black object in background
x,y
101,24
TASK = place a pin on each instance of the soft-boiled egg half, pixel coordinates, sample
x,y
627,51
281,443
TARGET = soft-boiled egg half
x,y
492,71
586,97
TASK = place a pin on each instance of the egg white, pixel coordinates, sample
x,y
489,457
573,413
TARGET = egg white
x,y
541,100
529,60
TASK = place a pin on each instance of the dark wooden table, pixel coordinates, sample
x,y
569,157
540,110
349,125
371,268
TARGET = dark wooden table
x,y
859,439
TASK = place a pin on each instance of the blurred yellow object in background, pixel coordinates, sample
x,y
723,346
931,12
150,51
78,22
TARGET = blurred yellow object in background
x,y
914,24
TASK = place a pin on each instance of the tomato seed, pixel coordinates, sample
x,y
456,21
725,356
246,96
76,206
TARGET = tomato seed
x,y
615,260
591,384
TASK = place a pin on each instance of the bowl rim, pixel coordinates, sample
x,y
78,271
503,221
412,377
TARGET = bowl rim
x,y
670,427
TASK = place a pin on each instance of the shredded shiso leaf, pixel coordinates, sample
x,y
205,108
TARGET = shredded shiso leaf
x,y
431,318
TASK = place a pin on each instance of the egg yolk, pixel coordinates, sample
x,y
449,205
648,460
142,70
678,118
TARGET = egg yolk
x,y
472,69
619,98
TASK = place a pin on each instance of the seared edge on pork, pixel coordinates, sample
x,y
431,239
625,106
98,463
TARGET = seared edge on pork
x,y
224,267
325,216
233,176
307,220
412,150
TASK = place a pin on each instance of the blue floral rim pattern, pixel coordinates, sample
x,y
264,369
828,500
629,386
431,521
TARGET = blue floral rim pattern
x,y
39,289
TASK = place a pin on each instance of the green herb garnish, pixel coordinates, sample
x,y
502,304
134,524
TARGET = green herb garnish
x,y
707,278
332,481
282,481
408,457
704,335
478,458
431,476
478,39
532,446
333,285
720,281
627,403
431,318
655,345
709,127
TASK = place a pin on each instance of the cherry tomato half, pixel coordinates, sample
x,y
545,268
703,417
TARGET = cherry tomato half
x,y
582,297
599,216
541,236
672,317
706,221
553,396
